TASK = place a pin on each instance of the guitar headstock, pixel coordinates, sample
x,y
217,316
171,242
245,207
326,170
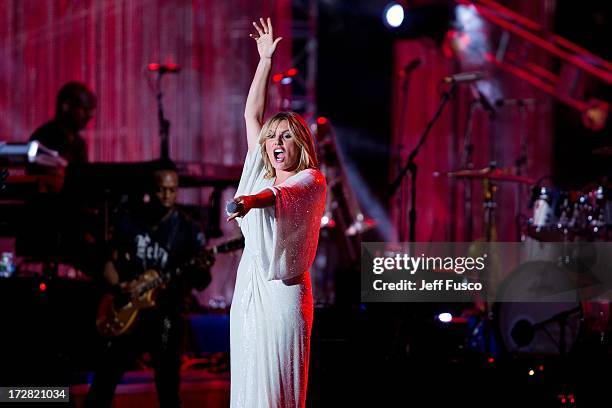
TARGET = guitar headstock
x,y
206,258
228,246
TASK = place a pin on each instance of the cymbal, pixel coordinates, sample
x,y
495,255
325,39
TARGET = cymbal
x,y
491,173
603,151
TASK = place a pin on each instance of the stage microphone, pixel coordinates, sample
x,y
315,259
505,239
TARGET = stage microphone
x,y
410,66
164,68
233,207
464,77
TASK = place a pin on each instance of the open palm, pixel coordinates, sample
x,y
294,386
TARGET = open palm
x,y
266,44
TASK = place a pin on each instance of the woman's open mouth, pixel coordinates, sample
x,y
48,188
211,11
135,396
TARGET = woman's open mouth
x,y
279,155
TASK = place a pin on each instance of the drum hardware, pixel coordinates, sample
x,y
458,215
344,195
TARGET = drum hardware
x,y
538,294
492,173
523,332
566,215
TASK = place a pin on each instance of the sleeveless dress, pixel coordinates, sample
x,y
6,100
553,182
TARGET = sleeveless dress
x,y
272,309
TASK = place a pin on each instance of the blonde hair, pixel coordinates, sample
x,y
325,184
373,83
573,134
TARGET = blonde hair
x,y
302,137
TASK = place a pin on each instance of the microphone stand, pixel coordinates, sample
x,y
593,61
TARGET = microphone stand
x,y
405,86
164,124
411,166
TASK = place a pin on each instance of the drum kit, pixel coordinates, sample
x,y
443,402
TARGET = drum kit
x,y
571,217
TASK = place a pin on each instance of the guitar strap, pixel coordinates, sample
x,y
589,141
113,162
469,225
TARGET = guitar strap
x,y
169,245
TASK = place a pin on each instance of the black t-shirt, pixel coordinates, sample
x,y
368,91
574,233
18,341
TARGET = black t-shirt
x,y
54,137
163,247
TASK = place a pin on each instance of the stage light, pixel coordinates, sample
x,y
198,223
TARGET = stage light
x,y
491,360
445,317
291,72
277,77
321,120
468,40
531,372
286,80
393,15
42,286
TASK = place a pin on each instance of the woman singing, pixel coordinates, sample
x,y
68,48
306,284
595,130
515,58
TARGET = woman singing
x,y
281,196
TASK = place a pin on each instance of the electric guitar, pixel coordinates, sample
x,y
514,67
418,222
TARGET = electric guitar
x,y
117,312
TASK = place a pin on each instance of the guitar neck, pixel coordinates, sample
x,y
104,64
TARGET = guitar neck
x,y
232,245
166,277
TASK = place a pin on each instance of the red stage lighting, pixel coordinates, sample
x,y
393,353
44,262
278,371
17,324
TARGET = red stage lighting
x,y
172,67
291,72
42,286
321,120
277,77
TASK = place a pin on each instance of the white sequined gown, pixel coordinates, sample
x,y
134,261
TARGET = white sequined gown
x,y
272,308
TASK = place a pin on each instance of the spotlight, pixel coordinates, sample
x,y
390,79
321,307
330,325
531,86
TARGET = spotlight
x,y
445,317
285,78
393,15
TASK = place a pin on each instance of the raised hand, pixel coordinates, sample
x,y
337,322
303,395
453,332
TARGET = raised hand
x,y
266,44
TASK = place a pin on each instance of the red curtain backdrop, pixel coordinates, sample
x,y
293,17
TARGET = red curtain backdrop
x,y
108,44
441,214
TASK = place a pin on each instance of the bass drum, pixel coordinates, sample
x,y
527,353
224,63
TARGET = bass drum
x,y
539,312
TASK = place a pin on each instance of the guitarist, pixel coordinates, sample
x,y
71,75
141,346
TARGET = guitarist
x,y
148,240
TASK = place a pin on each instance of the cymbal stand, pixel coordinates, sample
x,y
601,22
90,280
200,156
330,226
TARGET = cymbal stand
x,y
489,206
520,163
466,163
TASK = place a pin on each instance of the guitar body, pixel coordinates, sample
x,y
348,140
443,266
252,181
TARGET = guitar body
x,y
118,313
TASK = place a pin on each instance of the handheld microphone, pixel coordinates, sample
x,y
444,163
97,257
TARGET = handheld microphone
x,y
464,77
233,207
